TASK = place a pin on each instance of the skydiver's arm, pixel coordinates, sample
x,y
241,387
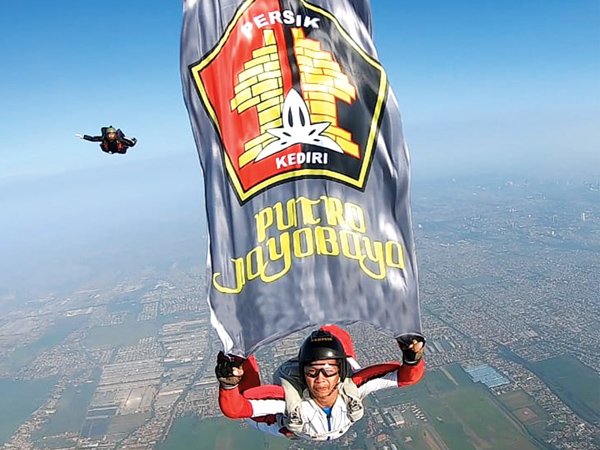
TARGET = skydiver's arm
x,y
92,138
129,142
395,374
254,402
233,404
411,374
387,375
241,395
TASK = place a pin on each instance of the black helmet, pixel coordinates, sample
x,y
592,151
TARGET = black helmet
x,y
323,345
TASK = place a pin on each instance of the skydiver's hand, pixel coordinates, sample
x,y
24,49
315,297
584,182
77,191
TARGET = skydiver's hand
x,y
229,370
80,136
412,347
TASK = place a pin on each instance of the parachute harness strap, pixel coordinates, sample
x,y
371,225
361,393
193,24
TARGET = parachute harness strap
x,y
294,421
293,407
354,405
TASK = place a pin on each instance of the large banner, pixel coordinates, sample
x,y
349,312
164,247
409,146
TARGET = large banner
x,y
305,167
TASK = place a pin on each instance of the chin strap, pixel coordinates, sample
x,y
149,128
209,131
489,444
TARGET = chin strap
x,y
293,419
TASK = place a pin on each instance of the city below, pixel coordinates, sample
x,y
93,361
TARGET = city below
x,y
509,274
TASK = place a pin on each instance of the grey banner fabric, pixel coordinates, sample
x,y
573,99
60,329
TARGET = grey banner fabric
x,y
305,167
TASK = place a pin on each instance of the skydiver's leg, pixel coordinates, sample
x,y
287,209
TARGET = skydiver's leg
x,y
346,340
251,376
269,424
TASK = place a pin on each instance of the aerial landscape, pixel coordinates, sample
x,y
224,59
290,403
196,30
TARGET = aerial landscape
x,y
509,274
182,178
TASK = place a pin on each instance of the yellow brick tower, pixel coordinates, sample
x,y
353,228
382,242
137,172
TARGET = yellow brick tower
x,y
322,82
260,85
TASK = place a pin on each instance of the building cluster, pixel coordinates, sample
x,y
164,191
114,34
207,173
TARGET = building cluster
x,y
508,279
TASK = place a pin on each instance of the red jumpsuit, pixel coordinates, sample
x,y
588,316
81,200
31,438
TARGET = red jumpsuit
x,y
265,404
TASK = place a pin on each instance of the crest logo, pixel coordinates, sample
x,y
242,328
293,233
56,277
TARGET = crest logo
x,y
297,129
291,95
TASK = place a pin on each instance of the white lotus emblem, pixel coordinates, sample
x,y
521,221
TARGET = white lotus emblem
x,y
297,129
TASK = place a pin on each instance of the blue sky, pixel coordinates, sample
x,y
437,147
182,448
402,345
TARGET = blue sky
x,y
75,66
483,87
514,85
472,78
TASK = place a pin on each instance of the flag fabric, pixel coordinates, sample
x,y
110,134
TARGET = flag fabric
x,y
305,168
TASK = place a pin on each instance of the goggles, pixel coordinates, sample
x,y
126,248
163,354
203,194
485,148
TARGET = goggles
x,y
327,370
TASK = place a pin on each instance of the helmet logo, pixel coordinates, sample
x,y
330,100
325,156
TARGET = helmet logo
x,y
321,339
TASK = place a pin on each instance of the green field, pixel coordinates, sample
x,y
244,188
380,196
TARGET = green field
x,y
19,399
575,384
437,382
127,333
460,413
416,438
468,414
56,443
189,433
70,412
526,411
52,337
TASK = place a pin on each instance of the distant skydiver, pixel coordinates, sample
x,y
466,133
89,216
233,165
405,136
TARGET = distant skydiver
x,y
321,392
111,140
